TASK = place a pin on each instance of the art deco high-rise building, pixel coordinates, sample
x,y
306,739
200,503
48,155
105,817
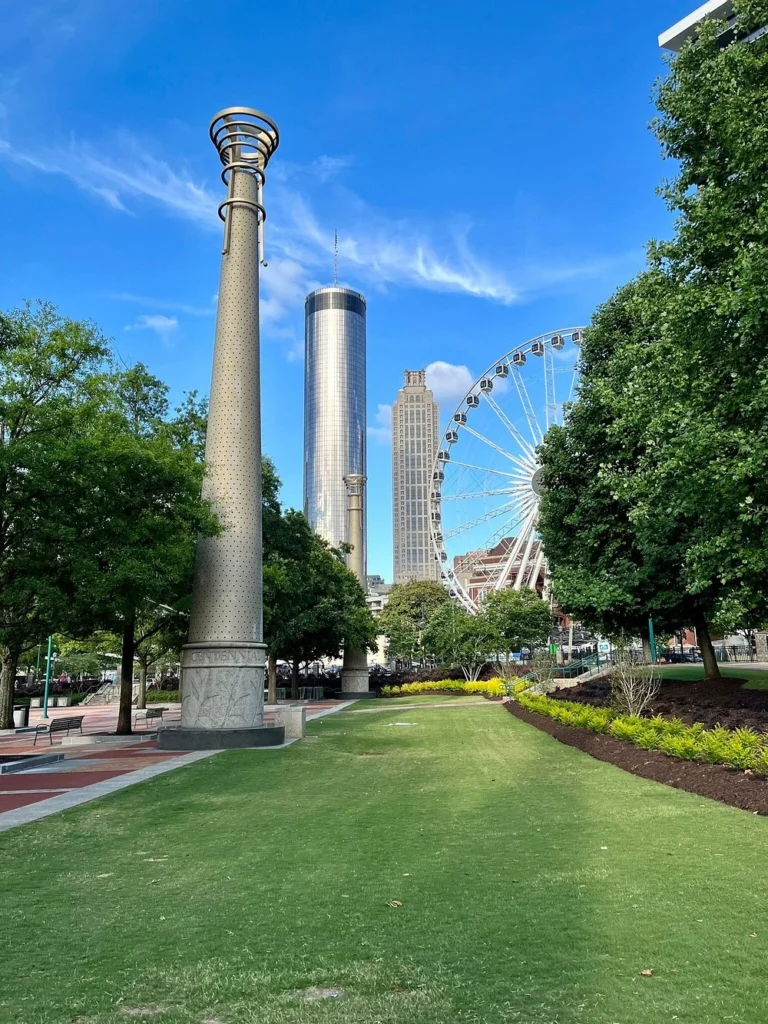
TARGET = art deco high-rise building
x,y
334,407
415,434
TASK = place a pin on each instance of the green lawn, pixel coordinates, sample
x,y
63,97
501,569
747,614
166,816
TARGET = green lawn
x,y
757,679
535,883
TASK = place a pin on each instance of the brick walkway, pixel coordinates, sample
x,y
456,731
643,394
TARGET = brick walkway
x,y
90,770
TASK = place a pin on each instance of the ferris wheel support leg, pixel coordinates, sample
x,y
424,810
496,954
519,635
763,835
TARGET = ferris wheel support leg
x,y
525,560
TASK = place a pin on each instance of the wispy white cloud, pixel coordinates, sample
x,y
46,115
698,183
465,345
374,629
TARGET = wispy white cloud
x,y
121,171
384,251
165,327
448,382
382,431
375,250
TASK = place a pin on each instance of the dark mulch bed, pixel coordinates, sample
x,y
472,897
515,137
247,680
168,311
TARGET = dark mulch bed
x,y
729,786
723,702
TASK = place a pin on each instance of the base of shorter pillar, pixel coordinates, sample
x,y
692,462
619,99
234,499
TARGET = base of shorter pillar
x,y
220,739
359,695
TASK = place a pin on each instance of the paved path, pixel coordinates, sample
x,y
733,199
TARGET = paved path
x,y
394,704
91,770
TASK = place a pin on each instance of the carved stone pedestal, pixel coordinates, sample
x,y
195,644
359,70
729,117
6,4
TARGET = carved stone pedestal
x,y
222,699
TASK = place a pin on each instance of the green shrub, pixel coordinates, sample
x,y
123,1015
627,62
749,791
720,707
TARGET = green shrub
x,y
744,749
489,688
677,745
162,696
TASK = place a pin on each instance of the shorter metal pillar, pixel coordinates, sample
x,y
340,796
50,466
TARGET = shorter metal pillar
x,y
354,675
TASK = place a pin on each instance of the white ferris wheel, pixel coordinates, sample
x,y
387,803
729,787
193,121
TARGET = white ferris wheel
x,y
484,500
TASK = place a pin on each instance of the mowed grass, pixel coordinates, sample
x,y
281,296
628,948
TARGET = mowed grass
x,y
536,884
756,678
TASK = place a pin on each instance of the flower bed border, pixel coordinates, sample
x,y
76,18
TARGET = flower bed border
x,y
715,781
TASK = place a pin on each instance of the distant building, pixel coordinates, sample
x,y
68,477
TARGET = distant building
x,y
334,406
415,438
378,594
720,10
477,571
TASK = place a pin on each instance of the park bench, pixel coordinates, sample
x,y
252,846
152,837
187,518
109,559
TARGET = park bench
x,y
148,715
59,725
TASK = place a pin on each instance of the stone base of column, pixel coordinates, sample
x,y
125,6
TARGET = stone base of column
x,y
354,676
222,698
220,739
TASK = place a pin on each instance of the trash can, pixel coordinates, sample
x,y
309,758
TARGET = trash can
x,y
21,716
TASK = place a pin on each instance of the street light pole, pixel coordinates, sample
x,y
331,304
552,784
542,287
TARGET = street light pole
x,y
652,641
47,677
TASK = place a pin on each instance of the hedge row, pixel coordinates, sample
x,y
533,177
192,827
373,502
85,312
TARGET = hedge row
x,y
488,688
162,696
739,748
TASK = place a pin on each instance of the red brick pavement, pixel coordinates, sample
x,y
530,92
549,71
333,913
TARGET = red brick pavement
x,y
84,766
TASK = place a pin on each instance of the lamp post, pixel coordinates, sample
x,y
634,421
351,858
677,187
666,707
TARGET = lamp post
x,y
652,641
222,665
47,677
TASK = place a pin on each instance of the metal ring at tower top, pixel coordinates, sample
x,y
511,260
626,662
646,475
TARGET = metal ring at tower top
x,y
243,133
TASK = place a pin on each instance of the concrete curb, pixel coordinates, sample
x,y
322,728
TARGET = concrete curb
x,y
75,797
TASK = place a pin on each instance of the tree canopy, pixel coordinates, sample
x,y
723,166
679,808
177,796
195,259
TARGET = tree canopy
x,y
657,485
409,608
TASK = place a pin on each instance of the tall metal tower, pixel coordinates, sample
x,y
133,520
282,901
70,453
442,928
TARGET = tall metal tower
x,y
222,665
334,407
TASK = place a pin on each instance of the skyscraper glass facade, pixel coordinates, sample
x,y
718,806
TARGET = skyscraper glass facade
x,y
334,406
415,431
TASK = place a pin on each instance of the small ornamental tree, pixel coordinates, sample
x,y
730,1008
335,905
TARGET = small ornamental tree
x,y
406,614
517,620
455,638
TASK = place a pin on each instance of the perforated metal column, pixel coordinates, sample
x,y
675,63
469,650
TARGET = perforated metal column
x,y
223,663
228,591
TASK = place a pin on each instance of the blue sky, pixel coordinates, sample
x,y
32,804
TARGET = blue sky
x,y
488,167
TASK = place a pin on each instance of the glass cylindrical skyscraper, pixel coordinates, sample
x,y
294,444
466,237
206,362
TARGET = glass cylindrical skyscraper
x,y
334,407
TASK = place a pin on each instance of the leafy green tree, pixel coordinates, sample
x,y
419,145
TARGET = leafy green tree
x,y
517,620
142,468
455,638
669,430
50,371
406,614
313,605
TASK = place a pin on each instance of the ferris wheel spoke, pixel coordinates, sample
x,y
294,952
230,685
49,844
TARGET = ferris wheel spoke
x,y
479,520
525,402
527,448
499,472
519,515
523,464
485,494
549,386
514,552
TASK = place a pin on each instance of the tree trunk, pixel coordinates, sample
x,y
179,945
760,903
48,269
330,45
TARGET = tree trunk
x,y
126,675
295,679
711,668
10,659
272,678
141,700
646,651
